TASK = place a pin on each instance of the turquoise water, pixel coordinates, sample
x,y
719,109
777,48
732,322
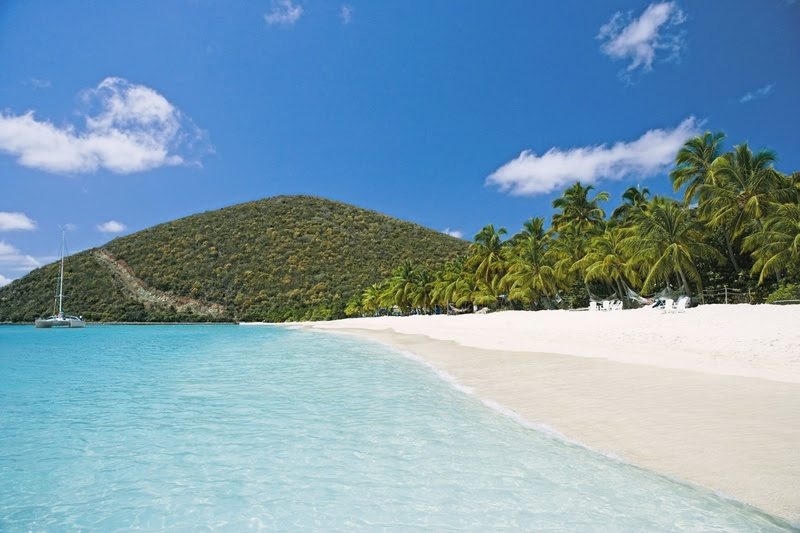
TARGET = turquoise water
x,y
238,428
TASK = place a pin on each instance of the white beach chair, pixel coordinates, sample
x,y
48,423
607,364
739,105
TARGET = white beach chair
x,y
606,305
668,305
680,307
617,305
592,306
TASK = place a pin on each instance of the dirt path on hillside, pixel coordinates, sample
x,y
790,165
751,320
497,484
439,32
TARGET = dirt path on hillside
x,y
150,297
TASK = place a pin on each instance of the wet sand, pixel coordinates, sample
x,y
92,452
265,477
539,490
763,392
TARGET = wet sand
x,y
730,423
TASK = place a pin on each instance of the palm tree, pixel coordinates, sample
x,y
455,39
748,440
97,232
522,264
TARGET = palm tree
x,y
530,275
445,287
400,289
745,188
794,184
693,164
609,260
578,210
353,307
472,290
422,295
788,186
371,298
776,248
695,170
634,200
567,247
668,240
488,252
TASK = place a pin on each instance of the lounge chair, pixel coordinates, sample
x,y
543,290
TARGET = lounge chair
x,y
617,305
592,306
606,305
680,307
667,305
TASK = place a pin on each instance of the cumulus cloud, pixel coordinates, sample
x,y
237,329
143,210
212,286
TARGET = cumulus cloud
x,y
133,129
112,226
453,233
346,14
4,280
15,221
757,94
284,13
13,258
652,153
640,39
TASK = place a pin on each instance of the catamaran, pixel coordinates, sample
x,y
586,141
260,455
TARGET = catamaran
x,y
61,320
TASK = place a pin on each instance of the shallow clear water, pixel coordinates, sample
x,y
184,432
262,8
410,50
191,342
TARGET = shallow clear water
x,y
234,428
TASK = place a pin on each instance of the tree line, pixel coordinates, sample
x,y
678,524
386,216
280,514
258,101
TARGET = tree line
x,y
737,226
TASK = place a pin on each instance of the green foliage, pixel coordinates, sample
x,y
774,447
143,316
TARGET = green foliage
x,y
776,246
747,221
669,239
278,259
578,211
789,291
305,258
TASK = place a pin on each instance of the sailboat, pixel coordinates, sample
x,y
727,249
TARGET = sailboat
x,y
61,320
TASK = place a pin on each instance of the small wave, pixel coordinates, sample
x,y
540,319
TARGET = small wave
x,y
505,411
443,374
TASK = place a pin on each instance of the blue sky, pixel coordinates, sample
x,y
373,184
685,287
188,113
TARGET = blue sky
x,y
115,116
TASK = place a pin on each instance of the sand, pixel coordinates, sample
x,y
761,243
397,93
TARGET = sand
x,y
710,396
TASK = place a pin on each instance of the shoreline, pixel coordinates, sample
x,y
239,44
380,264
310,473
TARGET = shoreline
x,y
718,423
93,324
759,341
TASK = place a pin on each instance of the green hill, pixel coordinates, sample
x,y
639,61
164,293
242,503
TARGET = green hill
x,y
283,258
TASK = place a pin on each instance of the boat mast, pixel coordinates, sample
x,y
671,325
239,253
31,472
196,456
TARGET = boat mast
x,y
61,277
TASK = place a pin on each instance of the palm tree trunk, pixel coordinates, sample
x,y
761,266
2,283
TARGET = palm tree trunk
x,y
683,281
611,288
622,294
730,249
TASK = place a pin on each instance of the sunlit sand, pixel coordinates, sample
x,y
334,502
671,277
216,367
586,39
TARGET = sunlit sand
x,y
710,396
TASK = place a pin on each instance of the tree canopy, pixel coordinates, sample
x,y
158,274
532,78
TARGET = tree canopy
x,y
738,226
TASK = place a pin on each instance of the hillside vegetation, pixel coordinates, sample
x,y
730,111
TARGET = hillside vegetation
x,y
278,259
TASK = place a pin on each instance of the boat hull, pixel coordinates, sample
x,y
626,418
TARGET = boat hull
x,y
55,322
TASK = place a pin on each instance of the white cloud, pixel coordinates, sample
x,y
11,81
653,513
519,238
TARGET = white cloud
x,y
6,249
453,233
640,39
653,152
15,221
112,226
11,257
757,94
346,14
284,12
36,83
69,226
134,129
4,280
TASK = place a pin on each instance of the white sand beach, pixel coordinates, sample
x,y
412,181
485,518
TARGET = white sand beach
x,y
710,396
